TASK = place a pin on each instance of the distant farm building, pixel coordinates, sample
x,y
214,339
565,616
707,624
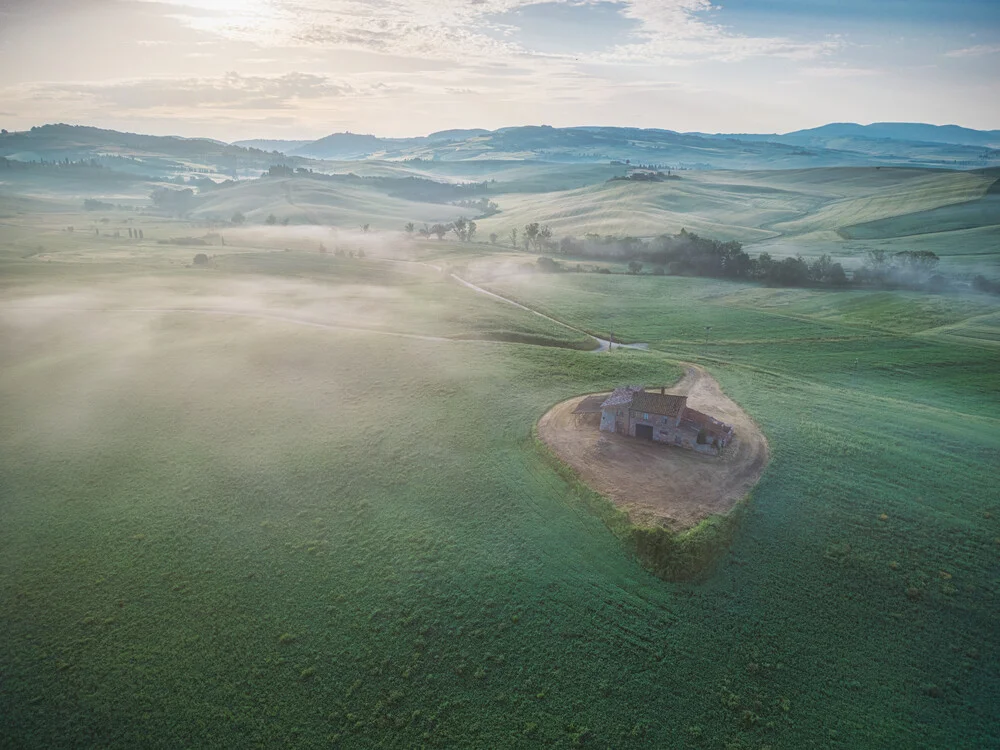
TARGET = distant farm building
x,y
663,418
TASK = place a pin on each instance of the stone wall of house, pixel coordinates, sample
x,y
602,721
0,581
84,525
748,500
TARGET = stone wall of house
x,y
666,430
608,420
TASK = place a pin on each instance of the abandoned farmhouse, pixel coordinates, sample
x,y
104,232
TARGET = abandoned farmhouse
x,y
663,418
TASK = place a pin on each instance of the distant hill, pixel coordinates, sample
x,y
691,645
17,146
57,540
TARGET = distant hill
x,y
835,145
899,131
283,147
149,155
831,145
342,146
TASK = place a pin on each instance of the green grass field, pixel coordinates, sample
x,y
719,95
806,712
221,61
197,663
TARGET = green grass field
x,y
239,510
840,211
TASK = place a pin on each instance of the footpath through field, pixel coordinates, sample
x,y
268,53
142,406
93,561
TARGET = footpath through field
x,y
603,345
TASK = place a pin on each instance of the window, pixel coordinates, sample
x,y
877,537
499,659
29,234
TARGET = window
x,y
646,417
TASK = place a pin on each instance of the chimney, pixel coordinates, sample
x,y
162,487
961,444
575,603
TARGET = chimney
x,y
663,391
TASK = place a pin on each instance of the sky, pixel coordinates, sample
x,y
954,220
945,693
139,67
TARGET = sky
x,y
302,69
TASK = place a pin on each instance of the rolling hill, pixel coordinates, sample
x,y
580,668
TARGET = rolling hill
x,y
147,155
832,145
304,200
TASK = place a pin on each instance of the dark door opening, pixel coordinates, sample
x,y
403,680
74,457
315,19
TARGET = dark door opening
x,y
644,431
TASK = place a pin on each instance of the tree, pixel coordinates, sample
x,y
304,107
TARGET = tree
x,y
460,227
530,234
440,230
547,265
271,220
876,259
493,238
365,228
791,272
918,260
820,269
408,228
837,275
178,202
634,267
513,237
470,230
201,259
544,236
238,218
981,284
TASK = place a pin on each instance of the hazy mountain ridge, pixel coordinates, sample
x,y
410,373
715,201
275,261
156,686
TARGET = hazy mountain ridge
x,y
837,144
152,155
834,145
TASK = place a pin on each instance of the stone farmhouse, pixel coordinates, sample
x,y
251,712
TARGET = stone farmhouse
x,y
663,418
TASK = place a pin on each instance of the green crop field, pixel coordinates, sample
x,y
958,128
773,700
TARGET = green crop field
x,y
293,497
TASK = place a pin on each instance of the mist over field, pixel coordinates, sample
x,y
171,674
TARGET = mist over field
x,y
321,334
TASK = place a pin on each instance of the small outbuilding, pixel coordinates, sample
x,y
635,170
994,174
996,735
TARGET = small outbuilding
x,y
663,418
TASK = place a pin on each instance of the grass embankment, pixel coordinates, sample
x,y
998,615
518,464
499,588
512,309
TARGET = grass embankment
x,y
688,555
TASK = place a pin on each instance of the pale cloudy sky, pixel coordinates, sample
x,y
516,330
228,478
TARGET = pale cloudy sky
x,y
232,69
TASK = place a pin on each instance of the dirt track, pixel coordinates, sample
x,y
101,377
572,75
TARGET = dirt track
x,y
659,484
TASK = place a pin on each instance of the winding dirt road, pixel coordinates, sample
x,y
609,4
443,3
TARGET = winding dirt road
x,y
657,484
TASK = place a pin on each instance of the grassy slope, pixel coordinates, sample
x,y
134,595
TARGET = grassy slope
x,y
984,212
807,208
843,212
308,201
643,209
917,190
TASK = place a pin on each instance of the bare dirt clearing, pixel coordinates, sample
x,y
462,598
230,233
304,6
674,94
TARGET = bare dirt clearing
x,y
658,484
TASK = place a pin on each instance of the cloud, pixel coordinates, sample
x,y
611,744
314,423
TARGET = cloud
x,y
840,72
978,50
670,31
231,91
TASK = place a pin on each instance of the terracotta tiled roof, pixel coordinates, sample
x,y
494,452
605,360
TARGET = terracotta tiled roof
x,y
701,421
658,403
622,396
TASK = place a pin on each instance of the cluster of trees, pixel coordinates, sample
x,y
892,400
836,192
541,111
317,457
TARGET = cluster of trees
x,y
179,202
484,206
646,177
535,236
981,284
688,254
92,204
464,229
53,163
910,268
341,253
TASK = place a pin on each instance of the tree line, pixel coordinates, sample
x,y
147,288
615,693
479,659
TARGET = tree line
x,y
688,254
464,229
